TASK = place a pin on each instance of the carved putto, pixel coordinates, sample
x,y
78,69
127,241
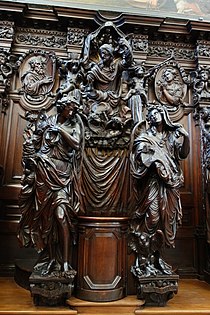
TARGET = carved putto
x,y
201,82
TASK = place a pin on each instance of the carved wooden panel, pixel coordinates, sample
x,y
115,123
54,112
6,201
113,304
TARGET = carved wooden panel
x,y
102,258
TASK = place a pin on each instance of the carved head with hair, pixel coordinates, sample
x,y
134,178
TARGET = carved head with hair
x,y
168,123
69,101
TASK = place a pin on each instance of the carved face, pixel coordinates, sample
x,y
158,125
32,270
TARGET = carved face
x,y
204,76
39,67
105,56
168,75
69,110
155,117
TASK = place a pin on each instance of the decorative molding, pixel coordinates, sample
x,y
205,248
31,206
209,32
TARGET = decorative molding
x,y
75,36
40,38
164,50
140,43
203,48
6,30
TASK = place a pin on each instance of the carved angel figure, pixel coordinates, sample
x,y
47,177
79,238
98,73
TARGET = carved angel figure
x,y
49,200
155,166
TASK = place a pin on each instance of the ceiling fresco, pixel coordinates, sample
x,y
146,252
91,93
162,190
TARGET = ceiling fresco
x,y
191,9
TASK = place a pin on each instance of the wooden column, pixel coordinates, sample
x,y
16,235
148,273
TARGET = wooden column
x,y
102,253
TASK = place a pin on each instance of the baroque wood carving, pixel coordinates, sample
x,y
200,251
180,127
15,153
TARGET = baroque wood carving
x,y
108,151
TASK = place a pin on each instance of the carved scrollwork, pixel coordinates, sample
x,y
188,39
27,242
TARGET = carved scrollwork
x,y
6,30
37,74
203,49
7,66
140,43
49,39
161,49
75,36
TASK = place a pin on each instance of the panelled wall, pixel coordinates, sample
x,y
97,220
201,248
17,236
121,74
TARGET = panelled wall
x,y
25,30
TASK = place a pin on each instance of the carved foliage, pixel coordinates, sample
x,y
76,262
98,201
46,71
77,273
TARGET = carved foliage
x,y
75,36
41,38
163,49
140,43
203,49
6,30
7,67
205,127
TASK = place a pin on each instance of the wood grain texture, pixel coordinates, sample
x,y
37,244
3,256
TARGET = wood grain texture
x,y
193,298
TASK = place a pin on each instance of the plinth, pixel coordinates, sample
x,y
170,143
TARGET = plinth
x,y
102,256
157,290
53,289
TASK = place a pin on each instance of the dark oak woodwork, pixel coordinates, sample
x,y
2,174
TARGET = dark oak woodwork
x,y
62,30
102,266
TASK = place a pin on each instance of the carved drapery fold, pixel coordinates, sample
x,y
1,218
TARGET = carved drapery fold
x,y
106,182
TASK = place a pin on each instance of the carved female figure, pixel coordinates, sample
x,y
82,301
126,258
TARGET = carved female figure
x,y
155,165
48,222
171,88
104,77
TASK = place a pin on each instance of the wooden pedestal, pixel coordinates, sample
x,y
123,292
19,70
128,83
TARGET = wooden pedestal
x,y
102,256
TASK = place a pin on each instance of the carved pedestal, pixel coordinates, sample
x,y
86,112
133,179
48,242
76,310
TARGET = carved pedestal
x,y
102,258
157,290
51,290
